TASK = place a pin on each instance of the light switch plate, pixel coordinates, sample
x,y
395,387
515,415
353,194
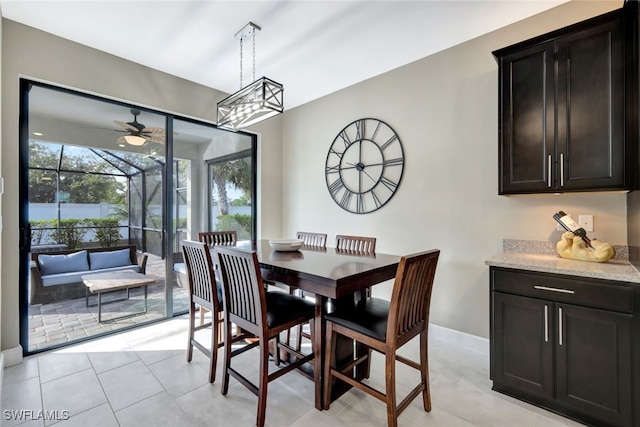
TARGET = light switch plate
x,y
586,222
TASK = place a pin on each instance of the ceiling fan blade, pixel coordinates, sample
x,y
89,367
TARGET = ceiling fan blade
x,y
126,126
153,131
158,139
121,140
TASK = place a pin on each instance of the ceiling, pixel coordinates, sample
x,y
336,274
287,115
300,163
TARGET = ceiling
x,y
313,48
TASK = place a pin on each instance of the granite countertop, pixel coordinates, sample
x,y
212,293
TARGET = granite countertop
x,y
541,256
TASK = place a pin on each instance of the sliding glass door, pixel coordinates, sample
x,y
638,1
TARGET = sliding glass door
x,y
100,176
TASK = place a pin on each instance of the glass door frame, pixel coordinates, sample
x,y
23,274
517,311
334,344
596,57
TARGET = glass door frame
x,y
252,153
167,201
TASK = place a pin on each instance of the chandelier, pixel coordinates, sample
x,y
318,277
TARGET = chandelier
x,y
258,101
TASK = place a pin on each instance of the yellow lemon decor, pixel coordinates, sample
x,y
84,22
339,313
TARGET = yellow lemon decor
x,y
573,247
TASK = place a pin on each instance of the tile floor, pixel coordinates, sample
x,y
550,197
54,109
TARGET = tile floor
x,y
140,378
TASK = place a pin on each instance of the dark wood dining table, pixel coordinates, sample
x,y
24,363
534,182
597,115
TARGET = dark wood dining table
x,y
331,274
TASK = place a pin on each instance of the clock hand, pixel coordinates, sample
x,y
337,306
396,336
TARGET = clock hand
x,y
360,168
366,173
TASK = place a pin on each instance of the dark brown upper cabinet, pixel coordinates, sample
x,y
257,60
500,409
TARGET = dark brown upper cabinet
x,y
566,108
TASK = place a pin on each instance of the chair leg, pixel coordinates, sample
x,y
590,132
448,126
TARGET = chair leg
x,y
214,347
192,321
276,350
227,357
263,380
298,345
390,375
329,360
424,369
202,310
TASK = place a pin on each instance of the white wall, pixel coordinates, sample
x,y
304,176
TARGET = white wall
x,y
1,196
27,52
444,109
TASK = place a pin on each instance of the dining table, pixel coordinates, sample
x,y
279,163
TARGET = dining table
x,y
333,276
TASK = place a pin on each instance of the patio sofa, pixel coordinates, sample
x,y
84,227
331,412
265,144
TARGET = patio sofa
x,y
57,276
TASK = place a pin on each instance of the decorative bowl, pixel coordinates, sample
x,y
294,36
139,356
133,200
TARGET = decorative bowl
x,y
286,245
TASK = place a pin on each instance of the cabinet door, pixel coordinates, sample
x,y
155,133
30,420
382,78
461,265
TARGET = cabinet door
x,y
591,109
593,362
527,114
522,347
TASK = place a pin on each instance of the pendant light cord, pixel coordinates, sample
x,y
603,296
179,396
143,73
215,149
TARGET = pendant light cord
x,y
254,57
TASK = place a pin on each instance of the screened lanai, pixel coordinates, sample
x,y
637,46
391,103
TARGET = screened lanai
x,y
85,187
86,197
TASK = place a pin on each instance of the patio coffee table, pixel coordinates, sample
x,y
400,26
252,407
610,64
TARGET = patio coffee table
x,y
100,283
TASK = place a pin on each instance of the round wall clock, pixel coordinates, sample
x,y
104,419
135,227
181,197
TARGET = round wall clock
x,y
364,166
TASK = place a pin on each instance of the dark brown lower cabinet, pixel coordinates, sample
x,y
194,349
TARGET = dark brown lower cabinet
x,y
564,343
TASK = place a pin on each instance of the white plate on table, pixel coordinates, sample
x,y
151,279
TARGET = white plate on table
x,y
286,245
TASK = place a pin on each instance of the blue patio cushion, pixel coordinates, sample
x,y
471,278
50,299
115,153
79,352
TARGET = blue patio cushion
x,y
54,264
76,276
109,259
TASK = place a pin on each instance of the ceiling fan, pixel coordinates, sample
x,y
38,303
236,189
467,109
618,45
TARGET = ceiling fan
x,y
139,134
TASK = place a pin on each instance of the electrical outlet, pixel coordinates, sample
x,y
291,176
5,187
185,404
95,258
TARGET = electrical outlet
x,y
586,222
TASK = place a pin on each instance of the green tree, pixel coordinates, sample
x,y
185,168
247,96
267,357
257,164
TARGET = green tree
x,y
234,172
106,231
79,186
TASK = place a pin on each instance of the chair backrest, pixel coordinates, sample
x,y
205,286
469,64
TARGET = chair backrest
x,y
356,243
411,296
317,240
243,291
200,275
213,238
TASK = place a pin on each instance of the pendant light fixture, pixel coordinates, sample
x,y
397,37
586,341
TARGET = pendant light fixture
x,y
258,101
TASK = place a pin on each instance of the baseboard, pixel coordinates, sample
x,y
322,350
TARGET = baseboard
x,y
459,339
12,356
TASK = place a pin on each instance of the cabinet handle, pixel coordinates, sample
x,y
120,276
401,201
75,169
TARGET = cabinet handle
x,y
560,325
547,288
546,323
561,170
549,172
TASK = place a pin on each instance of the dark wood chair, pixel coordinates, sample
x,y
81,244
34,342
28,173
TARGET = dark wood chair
x,y
218,237
264,314
314,240
213,238
385,326
311,240
204,292
356,243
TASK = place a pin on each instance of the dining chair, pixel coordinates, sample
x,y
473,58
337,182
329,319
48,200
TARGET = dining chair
x,y
356,243
264,314
203,292
212,238
385,326
314,240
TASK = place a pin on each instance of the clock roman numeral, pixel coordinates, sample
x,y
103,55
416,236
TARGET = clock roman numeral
x,y
360,208
332,169
346,199
393,162
389,184
375,132
360,130
337,153
389,142
376,200
335,187
345,138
